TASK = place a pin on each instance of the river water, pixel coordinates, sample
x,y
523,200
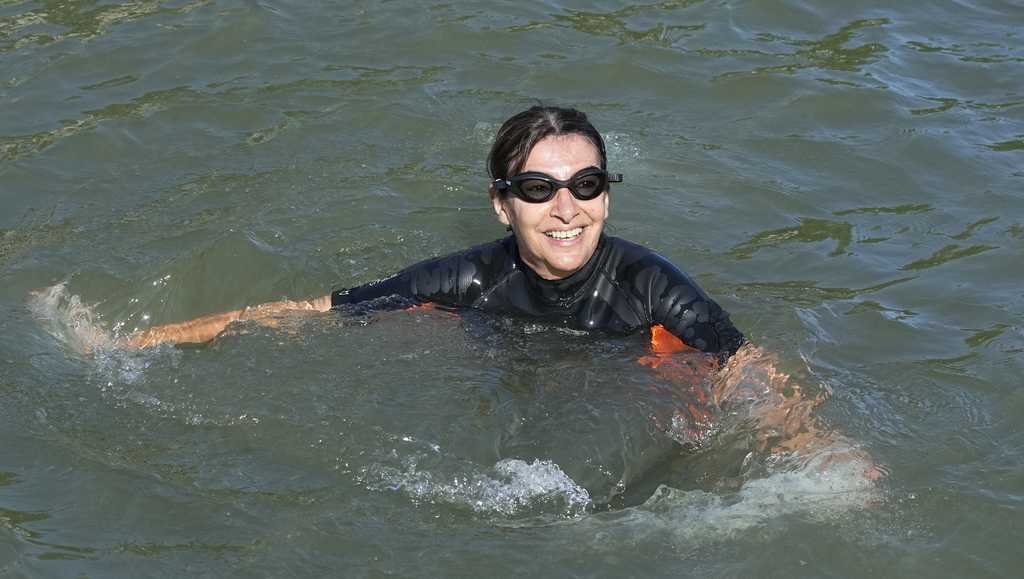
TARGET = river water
x,y
844,177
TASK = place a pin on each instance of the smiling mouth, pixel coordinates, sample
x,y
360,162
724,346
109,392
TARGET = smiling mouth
x,y
566,234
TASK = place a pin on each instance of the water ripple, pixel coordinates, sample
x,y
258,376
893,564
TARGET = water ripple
x,y
809,231
1012,145
896,210
945,255
144,106
827,53
615,24
983,337
809,293
34,230
80,20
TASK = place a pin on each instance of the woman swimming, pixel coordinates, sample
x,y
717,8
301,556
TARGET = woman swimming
x,y
551,189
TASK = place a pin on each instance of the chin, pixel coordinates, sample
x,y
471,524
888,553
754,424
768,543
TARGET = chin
x,y
559,262
566,265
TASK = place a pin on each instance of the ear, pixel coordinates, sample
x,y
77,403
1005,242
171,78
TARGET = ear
x,y
607,196
499,207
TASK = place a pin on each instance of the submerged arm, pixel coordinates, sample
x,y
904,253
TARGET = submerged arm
x,y
205,328
783,414
744,380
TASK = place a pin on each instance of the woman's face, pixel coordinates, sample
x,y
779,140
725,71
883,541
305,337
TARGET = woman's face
x,y
559,236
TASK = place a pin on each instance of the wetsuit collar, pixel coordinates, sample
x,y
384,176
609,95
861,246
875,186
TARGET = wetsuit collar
x,y
566,291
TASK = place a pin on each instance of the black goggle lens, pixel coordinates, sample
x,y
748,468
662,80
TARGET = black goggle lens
x,y
538,187
540,190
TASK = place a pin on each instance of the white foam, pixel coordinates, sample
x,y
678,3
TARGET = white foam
x,y
67,319
513,488
78,327
695,518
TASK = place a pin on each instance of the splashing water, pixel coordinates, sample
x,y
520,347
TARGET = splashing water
x,y
696,519
517,487
77,326
812,492
66,318
514,488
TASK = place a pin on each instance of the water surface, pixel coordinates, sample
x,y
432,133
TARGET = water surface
x,y
844,177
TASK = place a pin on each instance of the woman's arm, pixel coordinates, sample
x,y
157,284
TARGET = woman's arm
x,y
785,423
205,328
433,280
750,387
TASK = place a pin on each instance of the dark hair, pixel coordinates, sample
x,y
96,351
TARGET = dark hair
x,y
517,137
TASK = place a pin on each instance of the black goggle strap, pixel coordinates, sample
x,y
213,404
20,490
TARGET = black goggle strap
x,y
501,185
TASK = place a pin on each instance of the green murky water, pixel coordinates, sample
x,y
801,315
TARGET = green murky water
x,y
845,177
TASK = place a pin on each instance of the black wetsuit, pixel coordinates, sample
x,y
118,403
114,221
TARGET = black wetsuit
x,y
623,288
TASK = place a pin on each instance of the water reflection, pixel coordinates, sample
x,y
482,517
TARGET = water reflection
x,y
615,24
907,209
810,230
163,549
35,230
984,337
945,255
83,19
897,314
809,293
364,80
969,231
16,147
981,52
1012,145
945,105
828,53
24,524
17,519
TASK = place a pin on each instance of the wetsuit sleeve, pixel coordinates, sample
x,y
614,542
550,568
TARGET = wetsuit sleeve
x,y
397,286
681,306
446,281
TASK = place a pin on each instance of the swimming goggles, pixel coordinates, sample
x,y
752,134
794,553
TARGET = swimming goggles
x,y
534,187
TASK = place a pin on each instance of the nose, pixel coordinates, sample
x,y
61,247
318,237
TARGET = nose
x,y
563,206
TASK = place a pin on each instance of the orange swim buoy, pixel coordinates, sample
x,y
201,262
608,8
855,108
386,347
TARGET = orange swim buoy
x,y
684,369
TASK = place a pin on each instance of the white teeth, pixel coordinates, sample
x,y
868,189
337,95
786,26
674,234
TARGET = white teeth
x,y
564,234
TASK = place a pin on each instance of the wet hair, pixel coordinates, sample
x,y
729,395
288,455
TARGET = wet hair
x,y
517,137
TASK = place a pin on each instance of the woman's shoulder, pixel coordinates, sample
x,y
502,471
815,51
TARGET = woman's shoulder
x,y
476,265
627,255
452,279
645,272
